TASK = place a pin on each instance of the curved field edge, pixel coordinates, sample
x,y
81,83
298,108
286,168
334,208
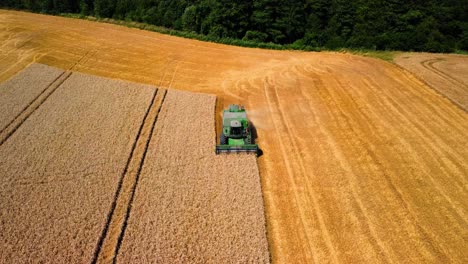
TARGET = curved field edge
x,y
445,73
386,55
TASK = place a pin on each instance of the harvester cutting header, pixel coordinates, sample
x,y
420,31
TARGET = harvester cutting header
x,y
237,134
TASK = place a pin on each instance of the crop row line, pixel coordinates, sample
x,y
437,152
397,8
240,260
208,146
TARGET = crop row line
x,y
11,128
27,111
112,235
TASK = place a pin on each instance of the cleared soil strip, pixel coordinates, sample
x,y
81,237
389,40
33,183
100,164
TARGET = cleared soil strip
x,y
61,169
113,232
17,93
190,205
447,74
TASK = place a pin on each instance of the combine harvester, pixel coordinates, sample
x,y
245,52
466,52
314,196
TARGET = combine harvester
x,y
237,135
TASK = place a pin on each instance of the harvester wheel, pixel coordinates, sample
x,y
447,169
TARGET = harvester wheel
x,y
223,140
253,133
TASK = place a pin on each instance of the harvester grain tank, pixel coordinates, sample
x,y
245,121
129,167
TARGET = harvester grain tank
x,y
237,134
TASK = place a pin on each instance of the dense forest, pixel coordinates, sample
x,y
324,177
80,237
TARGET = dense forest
x,y
419,25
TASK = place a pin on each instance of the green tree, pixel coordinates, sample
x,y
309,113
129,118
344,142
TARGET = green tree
x,y
104,8
431,25
291,20
189,19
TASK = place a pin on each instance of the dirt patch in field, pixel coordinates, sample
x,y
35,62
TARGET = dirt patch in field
x,y
190,205
61,168
448,74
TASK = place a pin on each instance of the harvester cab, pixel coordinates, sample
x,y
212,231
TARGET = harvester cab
x,y
237,134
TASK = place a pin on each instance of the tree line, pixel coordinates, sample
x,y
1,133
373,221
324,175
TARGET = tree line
x,y
419,25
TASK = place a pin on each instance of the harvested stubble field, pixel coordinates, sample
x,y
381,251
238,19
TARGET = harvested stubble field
x,y
446,73
190,205
363,162
61,168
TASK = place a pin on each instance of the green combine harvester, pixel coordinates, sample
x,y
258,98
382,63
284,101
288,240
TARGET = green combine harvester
x,y
237,135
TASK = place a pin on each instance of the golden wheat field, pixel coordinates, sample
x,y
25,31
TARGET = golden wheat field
x,y
18,92
59,170
192,206
74,188
363,160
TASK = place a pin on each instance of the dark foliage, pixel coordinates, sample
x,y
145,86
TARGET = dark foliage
x,y
432,25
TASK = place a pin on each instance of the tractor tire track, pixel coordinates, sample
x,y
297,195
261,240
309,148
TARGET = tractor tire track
x,y
111,238
422,68
113,232
427,135
30,103
429,64
272,99
432,152
36,103
348,125
361,210
31,107
63,214
318,210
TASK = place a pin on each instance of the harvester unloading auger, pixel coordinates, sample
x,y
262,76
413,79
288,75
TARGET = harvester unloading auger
x,y
237,134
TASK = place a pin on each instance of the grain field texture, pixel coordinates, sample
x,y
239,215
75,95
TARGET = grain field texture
x,y
446,73
119,214
190,205
61,168
363,161
18,92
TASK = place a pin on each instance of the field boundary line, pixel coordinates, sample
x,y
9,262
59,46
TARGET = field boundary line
x,y
112,235
415,76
